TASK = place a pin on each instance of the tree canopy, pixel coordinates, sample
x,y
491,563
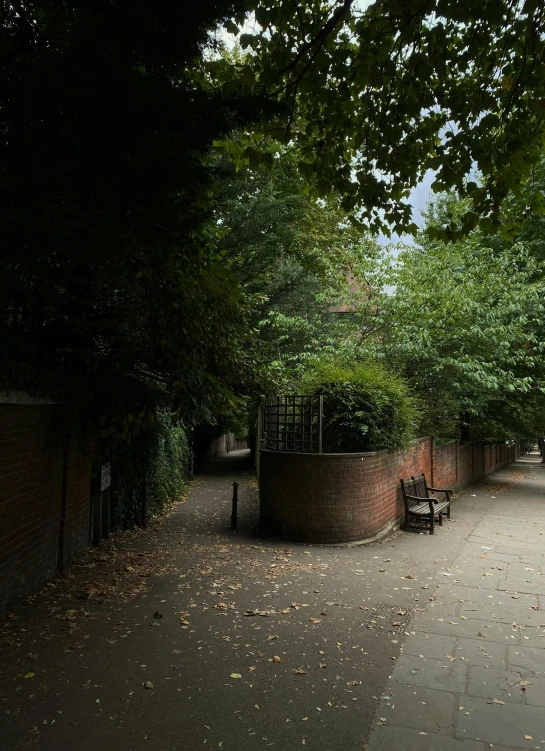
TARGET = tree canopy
x,y
374,95
464,323
114,292
135,271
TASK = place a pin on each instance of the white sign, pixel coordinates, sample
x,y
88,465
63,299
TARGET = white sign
x,y
105,477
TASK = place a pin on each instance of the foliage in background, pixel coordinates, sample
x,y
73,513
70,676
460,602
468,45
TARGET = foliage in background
x,y
156,460
464,322
296,259
366,407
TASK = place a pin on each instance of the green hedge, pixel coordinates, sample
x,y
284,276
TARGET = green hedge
x,y
157,458
366,408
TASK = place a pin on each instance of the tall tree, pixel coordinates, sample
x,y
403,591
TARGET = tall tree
x,y
296,259
464,322
111,281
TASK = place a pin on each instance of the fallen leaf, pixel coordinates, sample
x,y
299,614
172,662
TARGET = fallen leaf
x,y
276,658
273,636
29,675
300,671
314,620
528,738
497,701
147,684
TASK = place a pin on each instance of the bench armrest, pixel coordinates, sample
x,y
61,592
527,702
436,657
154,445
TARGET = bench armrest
x,y
421,500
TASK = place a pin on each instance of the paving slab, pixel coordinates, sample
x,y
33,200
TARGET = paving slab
x,y
504,613
485,654
525,584
527,657
418,707
479,581
516,685
395,738
472,628
485,596
431,645
533,637
434,674
482,720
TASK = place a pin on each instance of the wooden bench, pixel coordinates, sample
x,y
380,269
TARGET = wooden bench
x,y
420,504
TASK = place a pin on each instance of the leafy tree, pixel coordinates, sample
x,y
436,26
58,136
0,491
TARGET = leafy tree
x,y
295,258
464,322
114,294
372,97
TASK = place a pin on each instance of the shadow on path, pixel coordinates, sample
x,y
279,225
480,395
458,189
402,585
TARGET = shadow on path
x,y
188,635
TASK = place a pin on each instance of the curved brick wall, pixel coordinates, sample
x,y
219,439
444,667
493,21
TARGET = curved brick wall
x,y
335,498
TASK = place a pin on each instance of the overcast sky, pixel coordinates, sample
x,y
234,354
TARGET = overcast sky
x,y
419,198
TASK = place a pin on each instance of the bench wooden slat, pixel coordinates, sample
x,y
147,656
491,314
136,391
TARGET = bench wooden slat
x,y
424,508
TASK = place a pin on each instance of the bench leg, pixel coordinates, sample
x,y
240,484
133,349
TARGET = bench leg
x,y
448,511
432,523
441,519
407,522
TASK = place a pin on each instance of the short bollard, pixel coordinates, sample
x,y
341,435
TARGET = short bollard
x,y
234,509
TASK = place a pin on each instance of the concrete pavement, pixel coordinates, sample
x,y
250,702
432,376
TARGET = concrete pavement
x,y
472,673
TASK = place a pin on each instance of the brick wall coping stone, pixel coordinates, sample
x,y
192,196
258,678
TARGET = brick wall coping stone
x,y
339,455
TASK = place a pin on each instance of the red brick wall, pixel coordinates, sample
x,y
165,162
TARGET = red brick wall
x,y
445,465
31,468
333,498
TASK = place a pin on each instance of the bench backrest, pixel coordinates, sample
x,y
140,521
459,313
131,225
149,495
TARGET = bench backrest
x,y
416,486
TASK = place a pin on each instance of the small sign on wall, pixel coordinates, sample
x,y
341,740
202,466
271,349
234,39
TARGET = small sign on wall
x,y
105,478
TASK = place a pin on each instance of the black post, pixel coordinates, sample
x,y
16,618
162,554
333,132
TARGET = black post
x,y
234,509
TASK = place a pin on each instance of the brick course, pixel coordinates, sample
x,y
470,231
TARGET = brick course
x,y
333,498
31,468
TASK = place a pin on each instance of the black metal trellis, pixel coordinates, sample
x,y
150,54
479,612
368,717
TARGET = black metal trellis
x,y
293,423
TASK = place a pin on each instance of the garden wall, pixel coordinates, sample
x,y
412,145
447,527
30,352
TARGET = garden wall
x,y
39,533
336,498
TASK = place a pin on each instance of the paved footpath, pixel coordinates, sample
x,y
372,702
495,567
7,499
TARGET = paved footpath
x,y
187,635
472,671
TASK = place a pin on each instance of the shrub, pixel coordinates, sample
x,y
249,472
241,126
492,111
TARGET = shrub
x,y
157,458
366,408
